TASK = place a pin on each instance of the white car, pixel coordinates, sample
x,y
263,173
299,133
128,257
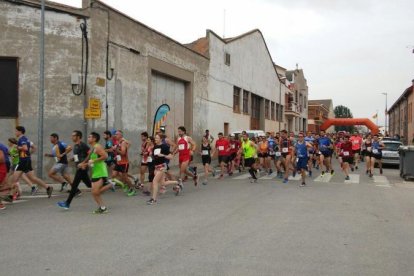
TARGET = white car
x,y
251,133
390,154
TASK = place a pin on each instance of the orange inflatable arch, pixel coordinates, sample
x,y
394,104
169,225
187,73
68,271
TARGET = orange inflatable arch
x,y
350,122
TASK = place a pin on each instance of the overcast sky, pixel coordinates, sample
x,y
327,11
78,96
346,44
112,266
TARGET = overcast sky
x,y
350,50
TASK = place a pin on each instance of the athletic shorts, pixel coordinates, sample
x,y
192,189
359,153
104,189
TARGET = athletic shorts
x,y
248,162
121,168
24,166
144,164
110,163
348,159
232,156
262,155
223,159
327,154
184,158
302,163
104,180
206,159
377,156
284,155
60,168
358,151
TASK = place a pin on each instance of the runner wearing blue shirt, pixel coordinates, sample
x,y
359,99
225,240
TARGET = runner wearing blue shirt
x,y
325,149
301,151
311,151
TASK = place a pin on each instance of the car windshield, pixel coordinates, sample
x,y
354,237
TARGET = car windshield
x,y
392,146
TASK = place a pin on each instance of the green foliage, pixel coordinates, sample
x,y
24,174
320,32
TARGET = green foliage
x,y
343,112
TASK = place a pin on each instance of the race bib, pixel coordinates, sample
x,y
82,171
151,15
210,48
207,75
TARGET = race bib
x,y
56,159
181,146
221,148
233,146
368,148
271,153
375,151
157,151
285,150
76,158
319,152
297,160
149,159
205,152
346,153
278,154
118,158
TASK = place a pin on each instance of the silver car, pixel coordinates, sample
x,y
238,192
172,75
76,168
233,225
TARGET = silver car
x,y
390,154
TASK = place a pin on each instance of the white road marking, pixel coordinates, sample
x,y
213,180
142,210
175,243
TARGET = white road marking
x,y
354,178
268,177
380,179
36,196
297,177
325,178
384,185
243,176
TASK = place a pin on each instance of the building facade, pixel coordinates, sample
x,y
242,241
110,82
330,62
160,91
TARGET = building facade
x,y
319,111
296,111
400,116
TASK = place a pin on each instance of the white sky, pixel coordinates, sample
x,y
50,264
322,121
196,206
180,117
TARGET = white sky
x,y
350,50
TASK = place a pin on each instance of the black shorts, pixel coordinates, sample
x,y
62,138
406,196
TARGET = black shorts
x,y
24,166
110,163
262,155
356,151
144,164
206,159
248,162
104,180
232,156
223,159
327,154
377,156
348,159
121,168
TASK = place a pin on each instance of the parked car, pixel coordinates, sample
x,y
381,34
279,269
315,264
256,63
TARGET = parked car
x,y
251,133
390,154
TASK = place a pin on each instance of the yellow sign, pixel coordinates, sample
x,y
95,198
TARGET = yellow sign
x,y
92,113
94,103
100,82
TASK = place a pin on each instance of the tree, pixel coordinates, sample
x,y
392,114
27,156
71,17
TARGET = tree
x,y
343,112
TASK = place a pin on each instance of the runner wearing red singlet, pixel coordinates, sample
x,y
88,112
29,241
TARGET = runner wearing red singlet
x,y
347,155
3,176
356,141
120,171
234,157
223,149
185,147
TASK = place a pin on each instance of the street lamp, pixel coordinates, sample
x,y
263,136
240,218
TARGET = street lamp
x,y
386,111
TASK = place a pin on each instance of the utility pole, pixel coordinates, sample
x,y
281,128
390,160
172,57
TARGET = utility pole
x,y
386,110
41,94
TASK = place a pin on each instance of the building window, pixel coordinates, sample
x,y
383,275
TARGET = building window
x,y
236,99
9,79
272,111
245,102
227,59
267,113
281,113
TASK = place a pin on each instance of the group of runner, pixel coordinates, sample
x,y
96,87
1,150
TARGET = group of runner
x,y
102,167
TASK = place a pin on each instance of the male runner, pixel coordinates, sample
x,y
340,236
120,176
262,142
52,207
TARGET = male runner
x,y
347,155
120,172
248,148
222,147
356,141
301,150
185,147
325,149
377,148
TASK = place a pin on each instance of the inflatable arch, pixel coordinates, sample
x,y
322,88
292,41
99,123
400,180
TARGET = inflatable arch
x,y
350,122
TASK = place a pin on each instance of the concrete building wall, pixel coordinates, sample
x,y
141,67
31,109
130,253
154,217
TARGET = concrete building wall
x,y
251,69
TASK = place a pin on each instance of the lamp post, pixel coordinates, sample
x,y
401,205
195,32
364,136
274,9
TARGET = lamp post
x,y
280,115
386,111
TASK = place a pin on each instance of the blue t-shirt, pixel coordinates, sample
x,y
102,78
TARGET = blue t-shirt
x,y
271,144
24,155
5,151
376,147
109,144
301,150
324,143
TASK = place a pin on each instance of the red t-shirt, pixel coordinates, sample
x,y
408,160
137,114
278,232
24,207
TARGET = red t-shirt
x,y
183,147
356,142
346,149
223,147
234,146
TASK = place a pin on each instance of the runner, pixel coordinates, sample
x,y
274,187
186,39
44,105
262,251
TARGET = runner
x,y
209,137
263,153
80,155
120,172
222,148
249,151
172,147
96,161
301,151
367,149
150,164
377,148
59,153
160,153
325,149
4,169
25,162
184,149
272,150
310,138
145,156
346,153
109,148
287,154
234,160
206,159
356,141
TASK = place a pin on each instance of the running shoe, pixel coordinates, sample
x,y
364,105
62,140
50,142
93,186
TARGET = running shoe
x,y
367,172
126,189
191,169
151,201
63,205
34,190
195,170
16,196
78,193
136,180
310,172
195,179
7,198
221,176
178,189
253,180
332,172
356,167
303,184
347,177
146,193
322,173
49,191
270,171
352,168
63,186
132,192
100,211
285,181
230,173
205,182
2,206
371,175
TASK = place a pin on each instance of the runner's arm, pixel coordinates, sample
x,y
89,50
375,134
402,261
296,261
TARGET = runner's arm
x,y
100,151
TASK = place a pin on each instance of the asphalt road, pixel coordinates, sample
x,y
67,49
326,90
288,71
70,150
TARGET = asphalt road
x,y
229,227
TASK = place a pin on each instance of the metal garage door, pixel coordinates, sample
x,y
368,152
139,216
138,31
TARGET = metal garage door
x,y
169,91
